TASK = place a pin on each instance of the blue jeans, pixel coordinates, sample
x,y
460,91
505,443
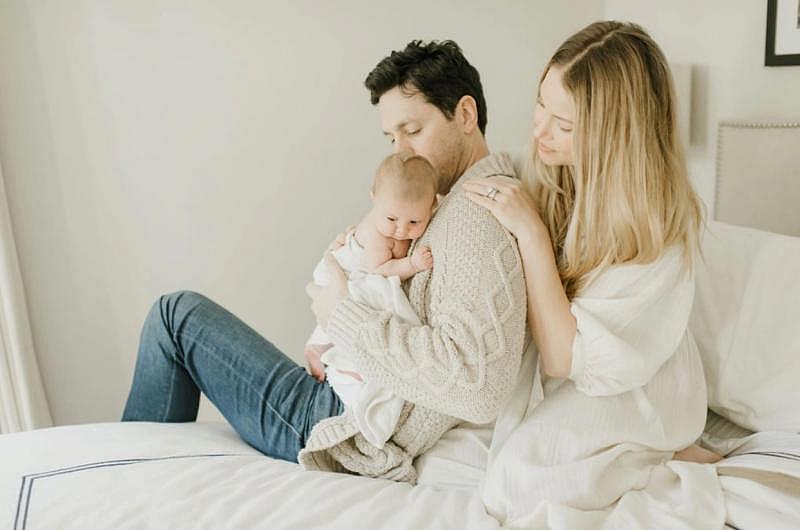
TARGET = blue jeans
x,y
190,344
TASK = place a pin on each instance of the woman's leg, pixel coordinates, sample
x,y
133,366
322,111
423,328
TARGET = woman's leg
x,y
190,344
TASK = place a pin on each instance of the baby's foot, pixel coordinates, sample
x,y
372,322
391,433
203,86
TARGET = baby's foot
x,y
422,259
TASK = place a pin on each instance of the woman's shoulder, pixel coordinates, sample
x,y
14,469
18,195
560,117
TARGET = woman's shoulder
x,y
667,270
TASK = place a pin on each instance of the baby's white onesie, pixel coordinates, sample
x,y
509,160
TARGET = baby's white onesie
x,y
375,408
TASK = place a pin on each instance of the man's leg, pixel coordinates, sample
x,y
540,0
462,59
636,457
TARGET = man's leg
x,y
190,344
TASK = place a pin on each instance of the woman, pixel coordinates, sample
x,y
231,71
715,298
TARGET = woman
x,y
607,225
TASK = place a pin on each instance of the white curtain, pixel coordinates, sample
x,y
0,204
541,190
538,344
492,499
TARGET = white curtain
x,y
23,405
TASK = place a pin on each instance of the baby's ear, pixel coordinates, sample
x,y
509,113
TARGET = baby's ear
x,y
372,195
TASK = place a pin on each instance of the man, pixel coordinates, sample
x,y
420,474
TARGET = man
x,y
462,362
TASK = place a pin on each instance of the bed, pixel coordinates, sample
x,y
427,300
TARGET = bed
x,y
202,475
745,322
199,475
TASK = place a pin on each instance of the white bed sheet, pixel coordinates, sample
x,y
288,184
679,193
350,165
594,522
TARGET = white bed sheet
x,y
202,475
199,475
761,482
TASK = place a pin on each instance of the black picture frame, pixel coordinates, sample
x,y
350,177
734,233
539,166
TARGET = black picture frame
x,y
770,58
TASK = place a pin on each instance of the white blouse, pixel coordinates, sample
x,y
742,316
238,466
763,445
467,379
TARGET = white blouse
x,y
635,395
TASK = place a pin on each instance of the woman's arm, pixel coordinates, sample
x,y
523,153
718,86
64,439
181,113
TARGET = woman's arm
x,y
552,324
614,335
549,317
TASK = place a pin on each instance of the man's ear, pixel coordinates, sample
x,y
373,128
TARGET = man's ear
x,y
435,203
372,195
467,112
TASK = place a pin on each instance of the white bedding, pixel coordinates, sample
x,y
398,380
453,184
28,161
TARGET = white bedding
x,y
199,475
761,482
202,475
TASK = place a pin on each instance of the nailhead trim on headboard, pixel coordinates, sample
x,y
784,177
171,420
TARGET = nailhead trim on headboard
x,y
739,125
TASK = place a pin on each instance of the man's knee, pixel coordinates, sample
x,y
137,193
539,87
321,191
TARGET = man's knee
x,y
172,307
183,297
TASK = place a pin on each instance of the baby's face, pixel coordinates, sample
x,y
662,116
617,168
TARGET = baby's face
x,y
400,219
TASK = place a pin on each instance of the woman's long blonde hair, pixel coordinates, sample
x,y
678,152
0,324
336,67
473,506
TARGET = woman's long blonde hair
x,y
628,197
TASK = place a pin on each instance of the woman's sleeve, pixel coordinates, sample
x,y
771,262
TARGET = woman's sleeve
x,y
629,323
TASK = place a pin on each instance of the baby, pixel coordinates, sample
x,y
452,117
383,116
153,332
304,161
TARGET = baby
x,y
403,200
375,257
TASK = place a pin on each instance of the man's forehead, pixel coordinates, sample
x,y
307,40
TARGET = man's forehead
x,y
399,107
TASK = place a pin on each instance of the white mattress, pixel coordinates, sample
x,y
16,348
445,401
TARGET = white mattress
x,y
199,475
202,475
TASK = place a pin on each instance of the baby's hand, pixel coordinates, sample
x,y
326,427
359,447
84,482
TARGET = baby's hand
x,y
422,259
314,365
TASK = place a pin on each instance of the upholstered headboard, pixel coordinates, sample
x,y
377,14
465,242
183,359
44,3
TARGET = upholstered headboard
x,y
758,176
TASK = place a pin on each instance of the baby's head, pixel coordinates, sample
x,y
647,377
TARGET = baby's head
x,y
403,196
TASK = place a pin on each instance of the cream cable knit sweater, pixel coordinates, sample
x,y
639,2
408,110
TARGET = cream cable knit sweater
x,y
461,364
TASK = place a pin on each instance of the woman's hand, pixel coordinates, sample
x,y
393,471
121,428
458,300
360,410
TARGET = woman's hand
x,y
324,298
511,204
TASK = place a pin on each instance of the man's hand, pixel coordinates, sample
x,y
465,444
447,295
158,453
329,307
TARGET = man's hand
x,y
325,298
341,238
422,259
314,365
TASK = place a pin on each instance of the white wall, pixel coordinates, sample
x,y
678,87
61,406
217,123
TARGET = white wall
x,y
724,42
156,145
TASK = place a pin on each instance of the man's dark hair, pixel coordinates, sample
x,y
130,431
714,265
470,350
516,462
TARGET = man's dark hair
x,y
438,70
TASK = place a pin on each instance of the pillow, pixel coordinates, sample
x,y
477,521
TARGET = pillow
x,y
746,321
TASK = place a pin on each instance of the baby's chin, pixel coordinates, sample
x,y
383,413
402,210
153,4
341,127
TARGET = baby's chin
x,y
387,235
409,237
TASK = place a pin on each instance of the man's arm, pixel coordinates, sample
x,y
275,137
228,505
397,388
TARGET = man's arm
x,y
463,361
